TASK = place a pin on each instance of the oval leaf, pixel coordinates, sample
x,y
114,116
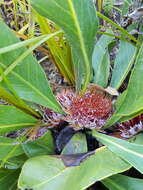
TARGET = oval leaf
x,y
52,173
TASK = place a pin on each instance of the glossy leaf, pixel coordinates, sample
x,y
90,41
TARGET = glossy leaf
x,y
41,146
121,182
12,119
101,61
52,173
80,30
27,78
77,144
131,152
123,63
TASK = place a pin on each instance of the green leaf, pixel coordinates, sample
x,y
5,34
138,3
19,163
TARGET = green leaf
x,y
79,29
8,179
101,61
123,63
77,144
121,182
52,173
41,146
132,153
17,102
16,162
115,117
134,93
12,119
27,78
7,146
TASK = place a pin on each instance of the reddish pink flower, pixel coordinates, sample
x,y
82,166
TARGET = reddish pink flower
x,y
131,127
90,110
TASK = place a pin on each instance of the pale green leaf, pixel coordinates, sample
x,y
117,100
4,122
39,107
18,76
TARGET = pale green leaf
x,y
12,119
53,174
132,153
101,61
77,144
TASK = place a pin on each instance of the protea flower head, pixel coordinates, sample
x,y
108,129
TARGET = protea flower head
x,y
131,127
89,110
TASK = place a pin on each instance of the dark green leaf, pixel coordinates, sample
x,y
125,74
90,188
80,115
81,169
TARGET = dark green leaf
x,y
121,182
8,179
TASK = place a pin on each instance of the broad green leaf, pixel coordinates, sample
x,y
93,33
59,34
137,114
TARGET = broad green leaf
x,y
27,78
79,29
41,146
52,173
132,153
8,179
7,146
123,63
12,119
101,61
121,182
133,102
77,144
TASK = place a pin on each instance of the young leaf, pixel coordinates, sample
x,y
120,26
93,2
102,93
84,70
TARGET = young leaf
x,y
28,78
132,153
12,119
58,176
122,182
79,29
123,63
